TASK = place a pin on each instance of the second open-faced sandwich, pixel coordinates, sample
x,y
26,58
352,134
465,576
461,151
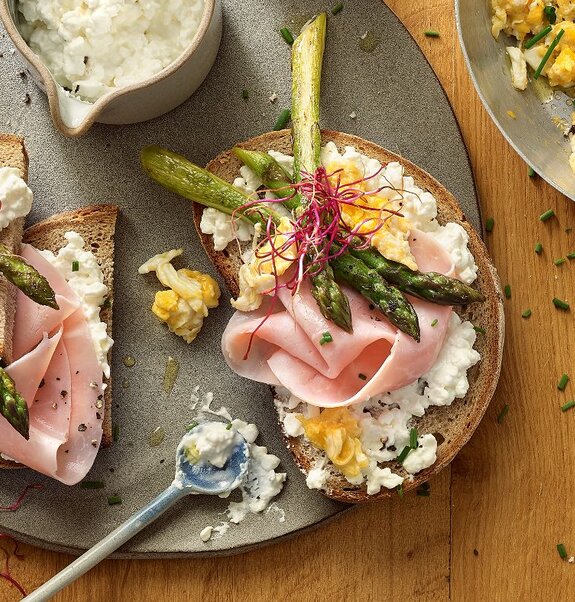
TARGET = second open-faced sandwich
x,y
363,296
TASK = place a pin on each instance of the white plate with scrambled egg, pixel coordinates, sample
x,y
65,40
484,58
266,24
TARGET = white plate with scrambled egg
x,y
521,56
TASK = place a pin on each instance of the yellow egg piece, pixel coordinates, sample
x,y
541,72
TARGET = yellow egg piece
x,y
562,72
165,302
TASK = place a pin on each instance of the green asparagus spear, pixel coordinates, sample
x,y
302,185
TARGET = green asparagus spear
x,y
27,278
13,406
307,60
390,300
333,304
272,174
430,286
181,176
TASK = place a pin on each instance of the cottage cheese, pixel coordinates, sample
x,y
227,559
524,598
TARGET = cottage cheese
x,y
95,46
15,196
88,284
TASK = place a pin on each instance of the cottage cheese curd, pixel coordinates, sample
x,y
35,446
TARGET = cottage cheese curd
x,y
88,284
95,46
15,196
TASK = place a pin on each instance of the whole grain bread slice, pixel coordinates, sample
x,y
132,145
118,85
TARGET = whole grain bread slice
x,y
96,224
452,425
12,154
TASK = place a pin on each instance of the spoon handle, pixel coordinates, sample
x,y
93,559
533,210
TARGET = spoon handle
x,y
109,544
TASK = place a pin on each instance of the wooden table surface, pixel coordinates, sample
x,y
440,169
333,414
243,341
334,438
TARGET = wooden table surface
x,y
490,527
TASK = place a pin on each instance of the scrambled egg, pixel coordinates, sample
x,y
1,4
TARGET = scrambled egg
x,y
257,276
190,294
392,237
337,432
517,17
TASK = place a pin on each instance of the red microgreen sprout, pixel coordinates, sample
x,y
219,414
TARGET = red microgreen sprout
x,y
6,575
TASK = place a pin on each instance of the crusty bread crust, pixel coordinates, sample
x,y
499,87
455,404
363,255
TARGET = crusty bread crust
x,y
96,225
453,425
12,154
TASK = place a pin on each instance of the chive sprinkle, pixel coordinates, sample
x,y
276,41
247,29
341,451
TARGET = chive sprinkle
x,y
531,172
75,266
559,304
559,261
115,431
400,491
507,291
114,500
431,33
413,438
229,426
503,413
570,255
568,406
362,376
337,8
287,35
92,485
549,12
548,54
192,425
326,338
547,215
282,120
489,224
537,37
526,313
539,248
434,323
479,329
563,382
562,551
404,453
245,94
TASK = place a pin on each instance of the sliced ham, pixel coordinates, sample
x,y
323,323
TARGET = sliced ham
x,y
58,373
376,358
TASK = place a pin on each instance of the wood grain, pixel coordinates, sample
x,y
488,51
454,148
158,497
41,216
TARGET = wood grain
x,y
489,529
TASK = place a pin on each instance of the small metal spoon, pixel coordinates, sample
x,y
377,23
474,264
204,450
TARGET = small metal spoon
x,y
199,478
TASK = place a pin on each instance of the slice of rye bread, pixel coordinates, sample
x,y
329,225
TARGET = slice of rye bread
x,y
452,425
12,154
96,224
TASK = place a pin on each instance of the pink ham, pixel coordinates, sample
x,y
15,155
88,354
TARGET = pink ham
x,y
59,375
376,358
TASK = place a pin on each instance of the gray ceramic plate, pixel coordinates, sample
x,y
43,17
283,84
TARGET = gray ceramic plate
x,y
533,134
399,104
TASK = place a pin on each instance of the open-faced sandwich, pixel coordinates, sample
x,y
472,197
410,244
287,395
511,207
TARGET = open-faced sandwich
x,y
55,335
364,298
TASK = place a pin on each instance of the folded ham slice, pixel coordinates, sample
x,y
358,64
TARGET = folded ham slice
x,y
58,373
376,358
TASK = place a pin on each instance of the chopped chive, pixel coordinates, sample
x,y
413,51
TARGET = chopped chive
x,y
400,491
362,376
431,33
537,37
568,406
326,338
107,303
192,425
413,438
547,215
559,304
114,500
287,35
282,120
539,248
548,54
434,323
423,491
115,431
563,382
229,426
245,94
526,313
337,8
489,224
531,172
562,551
507,291
92,484
549,12
75,266
479,329
503,413
404,453
570,255
559,261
